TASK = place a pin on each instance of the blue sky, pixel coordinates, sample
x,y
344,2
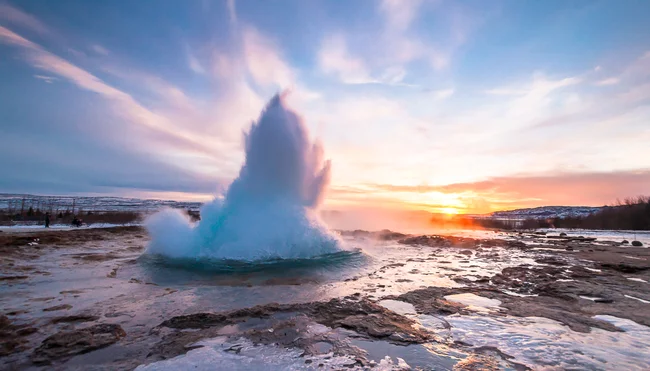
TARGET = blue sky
x,y
437,105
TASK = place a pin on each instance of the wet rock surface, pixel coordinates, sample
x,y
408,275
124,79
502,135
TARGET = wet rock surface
x,y
110,309
13,337
66,344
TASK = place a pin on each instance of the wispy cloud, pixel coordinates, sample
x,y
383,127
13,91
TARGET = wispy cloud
x,y
194,64
505,91
397,44
127,106
399,14
17,17
264,61
400,45
334,58
443,94
606,82
100,50
47,79
232,11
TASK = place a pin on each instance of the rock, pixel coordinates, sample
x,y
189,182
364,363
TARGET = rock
x,y
13,278
195,321
74,318
66,344
625,267
550,260
90,257
389,235
553,305
353,313
563,234
12,336
637,243
58,307
365,317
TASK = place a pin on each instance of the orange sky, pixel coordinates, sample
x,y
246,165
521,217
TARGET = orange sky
x,y
499,193
493,194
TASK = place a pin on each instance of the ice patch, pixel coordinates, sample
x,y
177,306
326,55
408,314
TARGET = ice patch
x,y
592,298
633,257
635,298
221,354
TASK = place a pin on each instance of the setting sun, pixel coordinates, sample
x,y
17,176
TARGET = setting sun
x,y
449,210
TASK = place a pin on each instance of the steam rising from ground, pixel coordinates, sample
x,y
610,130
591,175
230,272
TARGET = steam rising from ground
x,y
269,211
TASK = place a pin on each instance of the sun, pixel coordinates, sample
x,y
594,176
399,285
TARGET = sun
x,y
449,210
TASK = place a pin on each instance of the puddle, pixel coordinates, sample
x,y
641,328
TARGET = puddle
x,y
474,302
540,342
244,355
399,307
425,356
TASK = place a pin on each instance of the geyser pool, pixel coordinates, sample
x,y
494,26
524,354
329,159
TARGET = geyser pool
x,y
269,211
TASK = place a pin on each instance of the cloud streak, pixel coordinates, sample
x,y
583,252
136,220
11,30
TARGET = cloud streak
x,y
334,58
126,105
18,17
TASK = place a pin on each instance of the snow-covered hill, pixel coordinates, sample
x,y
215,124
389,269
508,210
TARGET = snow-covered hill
x,y
15,202
547,212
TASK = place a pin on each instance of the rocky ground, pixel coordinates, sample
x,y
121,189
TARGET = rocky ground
x,y
85,300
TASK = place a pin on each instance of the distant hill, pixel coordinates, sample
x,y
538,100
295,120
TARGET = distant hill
x,y
544,212
16,202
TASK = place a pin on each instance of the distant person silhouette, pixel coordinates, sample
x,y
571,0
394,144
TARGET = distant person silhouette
x,y
47,220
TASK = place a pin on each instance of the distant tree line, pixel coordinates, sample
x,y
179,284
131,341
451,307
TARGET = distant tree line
x,y
629,214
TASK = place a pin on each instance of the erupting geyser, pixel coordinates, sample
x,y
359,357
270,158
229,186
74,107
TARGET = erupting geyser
x,y
269,211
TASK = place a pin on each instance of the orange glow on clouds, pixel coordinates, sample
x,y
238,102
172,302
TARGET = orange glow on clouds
x,y
502,193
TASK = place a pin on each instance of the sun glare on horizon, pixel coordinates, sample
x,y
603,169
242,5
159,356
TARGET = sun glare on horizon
x,y
449,210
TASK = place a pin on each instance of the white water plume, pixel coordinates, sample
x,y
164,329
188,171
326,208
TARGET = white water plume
x,y
269,211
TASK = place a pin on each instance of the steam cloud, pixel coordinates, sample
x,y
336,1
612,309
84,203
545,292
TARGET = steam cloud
x,y
269,211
